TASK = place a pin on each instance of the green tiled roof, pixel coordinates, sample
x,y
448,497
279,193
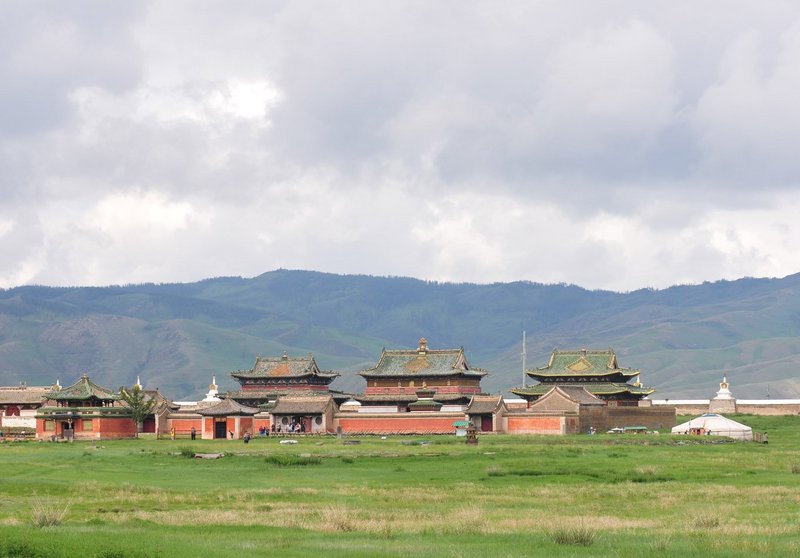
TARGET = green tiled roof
x,y
422,362
83,390
583,363
595,388
284,367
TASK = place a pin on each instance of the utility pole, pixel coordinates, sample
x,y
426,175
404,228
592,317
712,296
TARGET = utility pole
x,y
524,355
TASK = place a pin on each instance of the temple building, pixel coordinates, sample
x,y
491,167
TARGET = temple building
x,y
444,374
596,371
310,414
19,404
86,411
226,419
271,377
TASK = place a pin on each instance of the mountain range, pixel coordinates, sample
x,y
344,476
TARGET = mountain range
x,y
177,336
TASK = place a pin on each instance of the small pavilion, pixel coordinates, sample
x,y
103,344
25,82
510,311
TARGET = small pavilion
x,y
486,412
84,410
226,419
314,413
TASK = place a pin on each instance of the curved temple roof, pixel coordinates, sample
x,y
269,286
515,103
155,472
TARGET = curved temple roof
x,y
84,389
284,367
584,364
422,362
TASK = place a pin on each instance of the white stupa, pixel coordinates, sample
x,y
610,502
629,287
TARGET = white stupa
x,y
211,396
724,401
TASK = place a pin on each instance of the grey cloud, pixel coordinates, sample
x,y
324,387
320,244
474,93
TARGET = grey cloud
x,y
398,109
49,48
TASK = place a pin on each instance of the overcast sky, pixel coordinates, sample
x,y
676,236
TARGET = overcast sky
x,y
613,145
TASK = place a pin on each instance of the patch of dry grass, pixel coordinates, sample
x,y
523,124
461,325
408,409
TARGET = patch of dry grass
x,y
46,513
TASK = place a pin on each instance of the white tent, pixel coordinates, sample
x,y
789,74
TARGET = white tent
x,y
717,425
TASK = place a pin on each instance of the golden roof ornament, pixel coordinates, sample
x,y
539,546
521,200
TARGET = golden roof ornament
x,y
423,346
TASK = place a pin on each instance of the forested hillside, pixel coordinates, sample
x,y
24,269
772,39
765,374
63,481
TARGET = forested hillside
x,y
175,336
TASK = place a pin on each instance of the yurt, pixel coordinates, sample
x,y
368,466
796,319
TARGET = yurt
x,y
716,425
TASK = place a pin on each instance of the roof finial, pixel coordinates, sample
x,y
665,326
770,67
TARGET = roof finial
x,y
57,385
138,384
423,345
285,355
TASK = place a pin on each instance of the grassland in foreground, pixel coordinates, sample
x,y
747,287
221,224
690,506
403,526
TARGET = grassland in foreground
x,y
580,495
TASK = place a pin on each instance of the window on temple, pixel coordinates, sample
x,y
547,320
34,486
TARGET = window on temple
x,y
12,411
87,425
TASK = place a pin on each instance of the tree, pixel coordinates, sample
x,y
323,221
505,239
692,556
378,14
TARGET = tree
x,y
140,404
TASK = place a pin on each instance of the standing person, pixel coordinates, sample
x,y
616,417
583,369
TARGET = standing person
x,y
172,433
766,439
246,437
194,433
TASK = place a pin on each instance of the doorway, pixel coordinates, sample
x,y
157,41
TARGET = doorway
x,y
221,429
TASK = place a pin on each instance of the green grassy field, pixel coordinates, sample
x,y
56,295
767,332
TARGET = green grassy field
x,y
508,496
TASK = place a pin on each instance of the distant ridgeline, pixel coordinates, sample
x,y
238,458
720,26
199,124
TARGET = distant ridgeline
x,y
682,339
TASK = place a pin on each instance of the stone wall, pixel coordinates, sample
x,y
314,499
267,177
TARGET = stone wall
x,y
765,409
606,418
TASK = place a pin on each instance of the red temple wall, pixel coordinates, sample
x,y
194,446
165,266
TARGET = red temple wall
x,y
113,428
245,425
404,423
535,425
259,422
285,387
412,390
184,426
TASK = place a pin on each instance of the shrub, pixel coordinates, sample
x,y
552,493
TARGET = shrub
x,y
705,522
292,460
338,519
187,451
495,471
21,549
579,535
47,514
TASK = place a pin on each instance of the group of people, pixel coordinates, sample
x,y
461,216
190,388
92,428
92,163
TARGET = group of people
x,y
295,427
